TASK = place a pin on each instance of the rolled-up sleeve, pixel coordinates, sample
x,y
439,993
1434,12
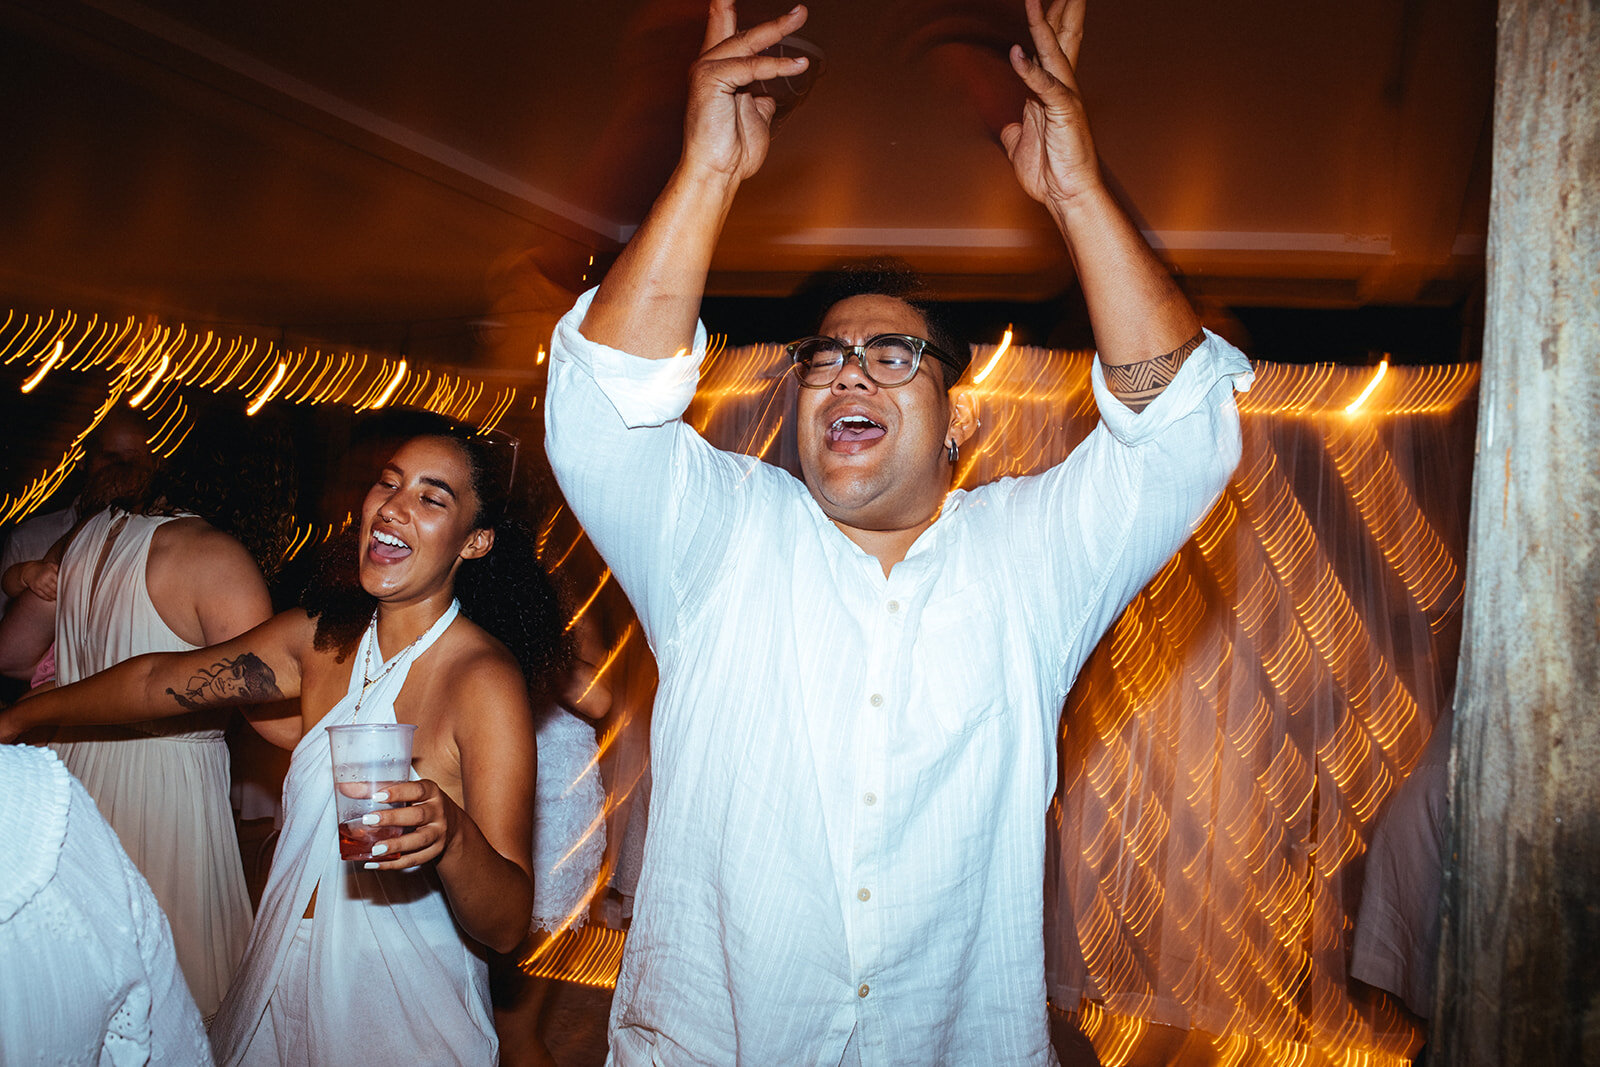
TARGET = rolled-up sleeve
x,y
650,492
1100,524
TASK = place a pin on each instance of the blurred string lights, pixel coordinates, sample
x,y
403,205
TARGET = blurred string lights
x,y
148,366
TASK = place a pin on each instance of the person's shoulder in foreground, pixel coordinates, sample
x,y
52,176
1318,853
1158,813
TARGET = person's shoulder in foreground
x,y
87,968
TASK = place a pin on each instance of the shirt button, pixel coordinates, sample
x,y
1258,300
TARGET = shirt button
x,y
863,893
877,700
894,606
870,799
863,991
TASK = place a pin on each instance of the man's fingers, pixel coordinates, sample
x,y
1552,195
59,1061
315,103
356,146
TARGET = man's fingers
x,y
1066,18
1009,137
766,107
1055,93
740,71
1033,74
722,23
756,39
1049,48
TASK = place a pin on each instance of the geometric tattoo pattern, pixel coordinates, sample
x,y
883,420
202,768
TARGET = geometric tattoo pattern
x,y
245,680
1136,384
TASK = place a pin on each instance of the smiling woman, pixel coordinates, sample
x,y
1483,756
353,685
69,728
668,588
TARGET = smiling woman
x,y
503,590
434,528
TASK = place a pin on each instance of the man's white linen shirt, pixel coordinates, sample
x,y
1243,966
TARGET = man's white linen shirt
x,y
852,772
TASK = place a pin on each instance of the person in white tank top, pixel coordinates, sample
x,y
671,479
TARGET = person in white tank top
x,y
162,575
383,960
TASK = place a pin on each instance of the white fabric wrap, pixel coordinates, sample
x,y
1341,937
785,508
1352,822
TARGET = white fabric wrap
x,y
392,976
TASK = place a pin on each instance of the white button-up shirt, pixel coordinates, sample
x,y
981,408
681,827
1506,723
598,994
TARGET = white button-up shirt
x,y
852,772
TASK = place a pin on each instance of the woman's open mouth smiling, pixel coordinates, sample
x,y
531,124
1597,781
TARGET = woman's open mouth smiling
x,y
387,548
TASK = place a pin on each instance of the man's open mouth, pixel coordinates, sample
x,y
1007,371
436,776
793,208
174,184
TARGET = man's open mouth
x,y
851,428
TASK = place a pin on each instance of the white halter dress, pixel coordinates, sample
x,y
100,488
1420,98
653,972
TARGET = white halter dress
x,y
163,786
388,975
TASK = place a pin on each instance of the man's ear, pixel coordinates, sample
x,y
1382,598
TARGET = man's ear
x,y
479,542
963,415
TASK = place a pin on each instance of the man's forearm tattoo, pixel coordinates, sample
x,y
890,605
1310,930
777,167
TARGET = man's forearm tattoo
x,y
245,680
1136,384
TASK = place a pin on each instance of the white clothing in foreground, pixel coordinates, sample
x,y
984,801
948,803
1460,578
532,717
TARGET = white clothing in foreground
x,y
163,786
569,830
87,970
851,773
391,977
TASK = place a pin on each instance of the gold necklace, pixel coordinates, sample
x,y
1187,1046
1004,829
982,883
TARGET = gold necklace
x,y
368,682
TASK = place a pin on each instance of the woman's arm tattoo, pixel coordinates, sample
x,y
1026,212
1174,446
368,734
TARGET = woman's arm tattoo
x,y
244,680
1136,384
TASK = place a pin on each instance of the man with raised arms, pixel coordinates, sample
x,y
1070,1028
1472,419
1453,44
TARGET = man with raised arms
x,y
862,675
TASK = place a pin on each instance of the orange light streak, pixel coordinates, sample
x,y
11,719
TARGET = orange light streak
x,y
155,376
37,330
419,384
389,390
264,368
305,366
604,578
110,338
44,368
197,353
1355,405
1005,345
266,394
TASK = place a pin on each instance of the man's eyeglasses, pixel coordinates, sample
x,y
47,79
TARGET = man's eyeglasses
x,y
887,359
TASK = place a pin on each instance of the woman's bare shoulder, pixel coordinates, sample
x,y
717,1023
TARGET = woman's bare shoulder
x,y
482,671
474,651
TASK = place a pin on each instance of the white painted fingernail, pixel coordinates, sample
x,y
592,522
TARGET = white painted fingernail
x,y
379,849
382,794
370,866
370,818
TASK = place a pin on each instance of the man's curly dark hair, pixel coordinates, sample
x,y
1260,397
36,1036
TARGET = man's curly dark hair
x,y
893,277
237,474
505,591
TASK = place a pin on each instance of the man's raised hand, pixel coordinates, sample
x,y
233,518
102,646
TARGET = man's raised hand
x,y
1050,149
727,129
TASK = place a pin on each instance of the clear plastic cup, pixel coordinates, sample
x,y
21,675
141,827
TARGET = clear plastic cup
x,y
367,759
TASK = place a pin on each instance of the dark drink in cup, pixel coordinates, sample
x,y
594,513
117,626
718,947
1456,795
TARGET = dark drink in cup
x,y
368,758
356,839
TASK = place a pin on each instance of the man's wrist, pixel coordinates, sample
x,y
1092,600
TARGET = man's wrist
x,y
703,184
1089,199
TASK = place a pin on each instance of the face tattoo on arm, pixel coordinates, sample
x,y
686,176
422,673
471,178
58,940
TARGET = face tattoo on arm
x,y
244,680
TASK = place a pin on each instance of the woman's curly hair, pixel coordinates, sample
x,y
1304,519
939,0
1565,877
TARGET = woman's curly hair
x,y
238,476
505,591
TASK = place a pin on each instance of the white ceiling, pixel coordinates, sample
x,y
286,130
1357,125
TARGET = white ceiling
x,y
358,167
